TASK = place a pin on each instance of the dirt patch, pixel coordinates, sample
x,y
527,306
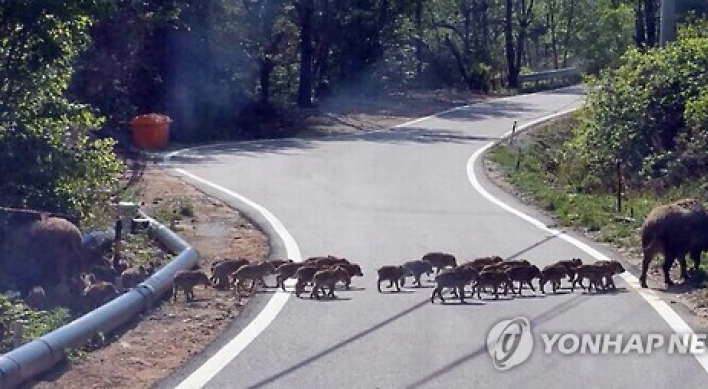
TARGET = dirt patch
x,y
145,351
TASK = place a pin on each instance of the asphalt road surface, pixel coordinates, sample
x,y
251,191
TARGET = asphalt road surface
x,y
391,196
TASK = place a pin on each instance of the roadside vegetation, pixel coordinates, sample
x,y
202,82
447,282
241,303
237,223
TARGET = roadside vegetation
x,y
639,141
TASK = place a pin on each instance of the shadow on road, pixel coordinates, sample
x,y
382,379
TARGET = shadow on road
x,y
339,345
533,246
292,146
539,319
494,109
562,307
490,110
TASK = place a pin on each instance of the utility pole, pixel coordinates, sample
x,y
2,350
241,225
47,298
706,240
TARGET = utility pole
x,y
667,29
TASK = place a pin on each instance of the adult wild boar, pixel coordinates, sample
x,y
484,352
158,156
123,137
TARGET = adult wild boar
x,y
44,252
674,230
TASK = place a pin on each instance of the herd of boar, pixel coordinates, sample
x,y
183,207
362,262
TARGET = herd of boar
x,y
492,275
321,272
674,230
47,259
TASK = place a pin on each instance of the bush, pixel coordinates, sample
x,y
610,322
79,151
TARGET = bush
x,y
48,159
36,323
638,114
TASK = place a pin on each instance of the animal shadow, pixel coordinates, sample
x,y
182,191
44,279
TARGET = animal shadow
x,y
454,302
606,292
423,286
306,297
529,296
491,298
394,291
351,289
559,292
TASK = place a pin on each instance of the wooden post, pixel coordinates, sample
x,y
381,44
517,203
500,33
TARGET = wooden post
x,y
518,158
17,334
119,284
117,244
619,186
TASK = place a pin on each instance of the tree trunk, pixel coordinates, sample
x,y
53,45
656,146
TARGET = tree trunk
x,y
459,60
650,17
551,18
486,41
305,10
266,68
639,31
513,71
568,31
419,40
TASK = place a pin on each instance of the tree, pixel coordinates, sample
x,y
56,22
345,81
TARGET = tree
x,y
48,156
646,27
305,11
595,47
516,38
659,134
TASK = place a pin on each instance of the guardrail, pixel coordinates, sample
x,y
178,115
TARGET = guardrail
x,y
39,355
562,75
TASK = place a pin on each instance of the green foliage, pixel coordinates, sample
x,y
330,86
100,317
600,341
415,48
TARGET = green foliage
x,y
693,27
224,70
552,175
35,323
638,114
592,211
48,159
603,33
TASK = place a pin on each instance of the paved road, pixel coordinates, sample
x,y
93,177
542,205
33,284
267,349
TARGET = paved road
x,y
386,197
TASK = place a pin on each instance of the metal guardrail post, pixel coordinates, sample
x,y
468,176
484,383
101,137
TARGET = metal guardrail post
x,y
549,75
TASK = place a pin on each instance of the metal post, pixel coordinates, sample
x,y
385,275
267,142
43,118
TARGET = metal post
x,y
667,16
117,244
513,132
518,158
18,334
619,186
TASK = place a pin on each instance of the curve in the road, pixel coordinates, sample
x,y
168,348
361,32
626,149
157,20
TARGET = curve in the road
x,y
660,306
276,303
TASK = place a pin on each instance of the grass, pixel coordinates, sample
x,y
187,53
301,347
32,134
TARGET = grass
x,y
174,210
563,193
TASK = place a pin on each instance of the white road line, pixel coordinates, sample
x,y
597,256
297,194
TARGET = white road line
x,y
677,324
226,354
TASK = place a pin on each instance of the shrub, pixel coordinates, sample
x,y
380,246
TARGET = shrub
x,y
48,159
638,115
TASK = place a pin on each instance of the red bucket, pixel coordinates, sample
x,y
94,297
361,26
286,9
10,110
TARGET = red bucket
x,y
151,131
